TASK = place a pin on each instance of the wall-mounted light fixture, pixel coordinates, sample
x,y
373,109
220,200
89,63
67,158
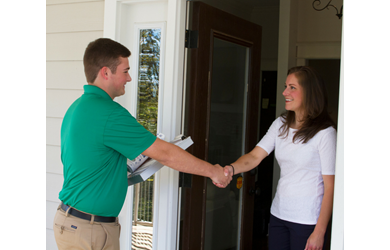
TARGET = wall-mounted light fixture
x,y
318,2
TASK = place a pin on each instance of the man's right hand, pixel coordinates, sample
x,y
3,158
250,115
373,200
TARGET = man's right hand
x,y
228,170
222,178
174,157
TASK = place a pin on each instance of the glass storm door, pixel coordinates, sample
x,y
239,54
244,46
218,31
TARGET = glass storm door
x,y
221,116
226,142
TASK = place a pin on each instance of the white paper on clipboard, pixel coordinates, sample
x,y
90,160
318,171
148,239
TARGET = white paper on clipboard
x,y
151,166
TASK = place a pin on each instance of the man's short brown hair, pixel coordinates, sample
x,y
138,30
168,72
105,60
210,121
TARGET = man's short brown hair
x,y
103,52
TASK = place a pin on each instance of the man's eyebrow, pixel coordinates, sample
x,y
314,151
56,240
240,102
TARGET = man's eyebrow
x,y
127,68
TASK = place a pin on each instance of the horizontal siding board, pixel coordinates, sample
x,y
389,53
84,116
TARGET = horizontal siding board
x,y
53,159
58,101
65,75
69,46
74,17
53,131
60,2
50,240
53,186
51,209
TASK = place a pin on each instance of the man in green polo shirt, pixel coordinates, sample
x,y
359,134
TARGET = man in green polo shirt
x,y
98,135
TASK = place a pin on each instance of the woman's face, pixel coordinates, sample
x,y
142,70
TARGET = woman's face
x,y
293,94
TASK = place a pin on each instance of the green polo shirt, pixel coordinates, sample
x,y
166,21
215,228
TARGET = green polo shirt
x,y
97,137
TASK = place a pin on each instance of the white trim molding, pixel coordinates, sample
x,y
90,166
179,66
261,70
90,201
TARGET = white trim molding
x,y
337,242
166,210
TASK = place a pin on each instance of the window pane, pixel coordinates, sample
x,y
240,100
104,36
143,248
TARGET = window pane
x,y
147,111
148,80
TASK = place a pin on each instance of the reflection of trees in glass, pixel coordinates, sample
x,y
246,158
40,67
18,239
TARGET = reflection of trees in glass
x,y
147,106
148,81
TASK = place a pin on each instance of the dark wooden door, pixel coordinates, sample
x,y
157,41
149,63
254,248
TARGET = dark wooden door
x,y
222,111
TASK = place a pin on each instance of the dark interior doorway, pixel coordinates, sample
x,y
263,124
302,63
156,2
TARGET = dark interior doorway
x,y
264,176
329,69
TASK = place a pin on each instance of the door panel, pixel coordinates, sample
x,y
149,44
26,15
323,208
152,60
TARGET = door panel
x,y
222,119
226,141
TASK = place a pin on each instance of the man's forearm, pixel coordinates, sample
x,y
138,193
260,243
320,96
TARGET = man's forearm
x,y
174,157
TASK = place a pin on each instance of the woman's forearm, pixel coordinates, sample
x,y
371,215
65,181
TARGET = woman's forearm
x,y
249,161
327,205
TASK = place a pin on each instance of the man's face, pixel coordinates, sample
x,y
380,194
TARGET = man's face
x,y
120,78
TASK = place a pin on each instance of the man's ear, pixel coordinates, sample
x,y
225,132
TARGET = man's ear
x,y
104,72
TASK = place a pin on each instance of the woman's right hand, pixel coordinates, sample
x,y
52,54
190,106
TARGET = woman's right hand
x,y
228,170
223,179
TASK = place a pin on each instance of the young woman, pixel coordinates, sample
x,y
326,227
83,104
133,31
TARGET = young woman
x,y
304,140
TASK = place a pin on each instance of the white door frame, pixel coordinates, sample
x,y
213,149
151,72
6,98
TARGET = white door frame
x,y
337,242
166,192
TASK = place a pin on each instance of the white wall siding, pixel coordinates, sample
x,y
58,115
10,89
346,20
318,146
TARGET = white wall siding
x,y
53,128
65,75
53,186
70,26
75,17
63,2
69,46
59,100
53,159
50,241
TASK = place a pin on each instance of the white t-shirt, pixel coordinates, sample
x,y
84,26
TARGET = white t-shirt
x,y
300,188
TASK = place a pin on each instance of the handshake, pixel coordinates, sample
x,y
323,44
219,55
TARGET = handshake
x,y
222,176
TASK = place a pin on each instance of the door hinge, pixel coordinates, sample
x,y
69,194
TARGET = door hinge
x,y
191,39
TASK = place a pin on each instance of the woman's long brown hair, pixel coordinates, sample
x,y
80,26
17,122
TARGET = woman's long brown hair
x,y
315,104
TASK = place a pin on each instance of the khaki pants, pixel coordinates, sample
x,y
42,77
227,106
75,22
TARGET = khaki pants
x,y
74,233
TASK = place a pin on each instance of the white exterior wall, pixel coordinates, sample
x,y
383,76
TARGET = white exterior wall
x,y
70,26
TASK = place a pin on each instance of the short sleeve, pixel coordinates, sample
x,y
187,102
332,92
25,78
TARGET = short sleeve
x,y
268,141
124,134
327,151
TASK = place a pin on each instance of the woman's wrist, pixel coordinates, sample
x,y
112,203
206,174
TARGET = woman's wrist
x,y
319,230
232,167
